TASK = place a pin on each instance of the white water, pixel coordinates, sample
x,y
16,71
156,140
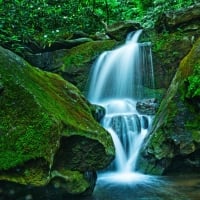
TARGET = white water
x,y
117,83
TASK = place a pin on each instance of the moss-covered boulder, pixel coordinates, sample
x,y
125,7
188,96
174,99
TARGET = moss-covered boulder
x,y
168,49
47,131
184,18
76,64
174,144
172,38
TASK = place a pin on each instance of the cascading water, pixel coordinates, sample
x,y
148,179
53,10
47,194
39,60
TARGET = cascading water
x,y
117,82
119,79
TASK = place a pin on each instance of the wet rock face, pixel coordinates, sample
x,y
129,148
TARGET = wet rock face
x,y
119,31
175,138
175,33
45,120
147,107
98,112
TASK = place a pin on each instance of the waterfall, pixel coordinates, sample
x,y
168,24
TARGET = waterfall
x,y
118,81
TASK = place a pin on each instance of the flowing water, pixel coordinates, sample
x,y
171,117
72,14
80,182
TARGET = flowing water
x,y
118,81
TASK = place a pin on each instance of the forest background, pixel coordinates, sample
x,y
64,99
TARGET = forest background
x,y
45,21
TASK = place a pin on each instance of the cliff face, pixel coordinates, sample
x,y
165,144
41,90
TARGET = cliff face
x,y
47,132
174,144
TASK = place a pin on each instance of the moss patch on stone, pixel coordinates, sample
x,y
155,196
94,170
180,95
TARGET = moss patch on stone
x,y
37,109
175,131
168,50
72,181
85,53
33,172
76,63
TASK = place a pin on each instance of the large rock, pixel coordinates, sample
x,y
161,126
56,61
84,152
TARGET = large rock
x,y
76,63
119,30
72,64
168,49
174,144
172,41
47,132
45,58
147,106
185,18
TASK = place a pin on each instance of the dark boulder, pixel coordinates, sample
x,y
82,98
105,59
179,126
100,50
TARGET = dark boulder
x,y
185,18
147,107
119,30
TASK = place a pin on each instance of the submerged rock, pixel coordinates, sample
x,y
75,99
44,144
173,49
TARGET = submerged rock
x,y
47,131
174,144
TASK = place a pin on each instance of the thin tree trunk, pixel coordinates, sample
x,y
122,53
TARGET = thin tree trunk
x,y
107,12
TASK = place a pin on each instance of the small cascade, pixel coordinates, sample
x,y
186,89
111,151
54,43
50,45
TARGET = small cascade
x,y
118,79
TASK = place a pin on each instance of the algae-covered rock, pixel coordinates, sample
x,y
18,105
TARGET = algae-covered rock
x,y
76,63
72,63
174,143
168,49
185,18
173,36
46,126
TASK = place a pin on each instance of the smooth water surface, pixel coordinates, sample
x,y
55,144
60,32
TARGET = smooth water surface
x,y
151,188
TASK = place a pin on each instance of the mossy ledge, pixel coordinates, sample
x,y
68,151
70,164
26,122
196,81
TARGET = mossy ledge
x,y
174,141
38,111
75,64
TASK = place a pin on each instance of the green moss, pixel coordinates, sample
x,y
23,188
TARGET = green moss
x,y
86,52
193,89
159,145
34,172
76,149
168,50
196,135
175,129
73,181
24,129
167,44
192,125
36,109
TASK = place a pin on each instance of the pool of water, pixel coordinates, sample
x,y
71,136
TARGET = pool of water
x,y
149,188
111,187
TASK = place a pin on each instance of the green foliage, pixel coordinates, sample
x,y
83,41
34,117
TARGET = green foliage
x,y
193,89
42,21
144,5
45,21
